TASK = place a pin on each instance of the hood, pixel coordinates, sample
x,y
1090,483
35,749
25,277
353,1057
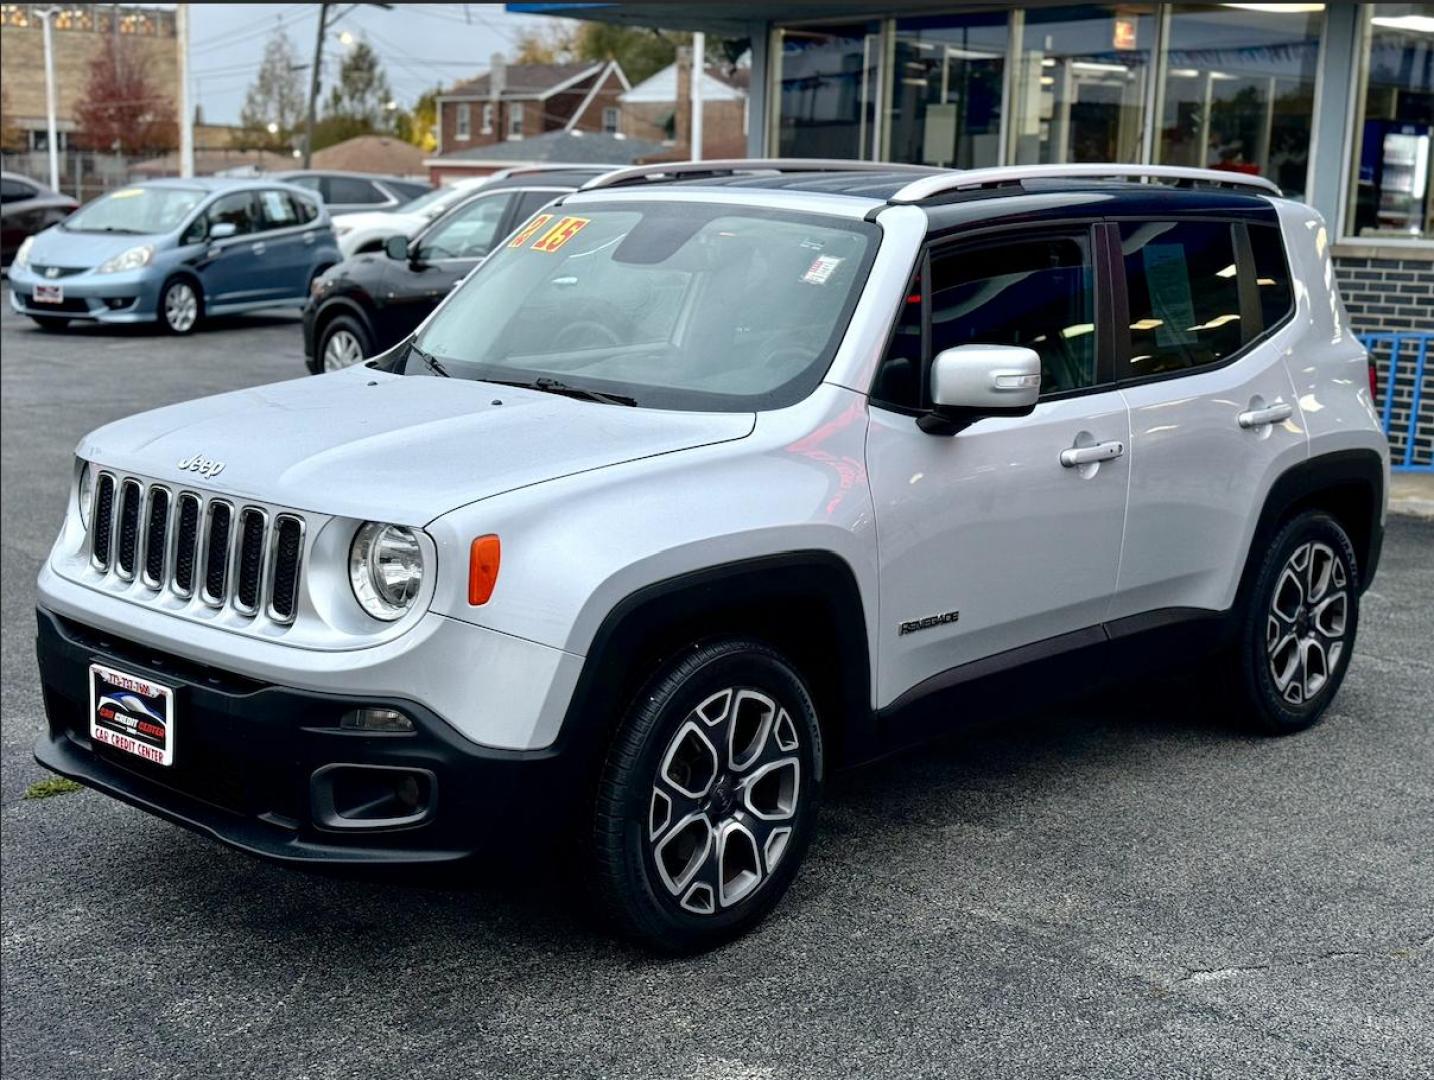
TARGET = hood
x,y
367,444
374,219
60,247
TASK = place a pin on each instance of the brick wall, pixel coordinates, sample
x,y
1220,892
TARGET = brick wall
x,y
1391,290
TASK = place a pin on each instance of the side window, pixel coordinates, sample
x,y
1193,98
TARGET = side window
x,y
305,210
530,202
1184,294
350,190
15,191
470,231
1038,292
279,210
237,209
1272,273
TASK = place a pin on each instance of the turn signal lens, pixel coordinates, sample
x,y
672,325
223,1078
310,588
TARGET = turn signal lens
x,y
483,559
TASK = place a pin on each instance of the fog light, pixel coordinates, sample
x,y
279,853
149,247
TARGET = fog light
x,y
376,720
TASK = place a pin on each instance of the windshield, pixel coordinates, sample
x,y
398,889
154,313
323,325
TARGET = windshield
x,y
673,305
136,210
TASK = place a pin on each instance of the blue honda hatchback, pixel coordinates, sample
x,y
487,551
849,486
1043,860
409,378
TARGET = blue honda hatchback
x,y
175,251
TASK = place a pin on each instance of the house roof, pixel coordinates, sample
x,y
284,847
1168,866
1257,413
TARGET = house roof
x,y
372,154
568,147
661,88
528,80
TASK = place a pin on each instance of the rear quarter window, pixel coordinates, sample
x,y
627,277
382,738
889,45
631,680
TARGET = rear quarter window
x,y
1272,274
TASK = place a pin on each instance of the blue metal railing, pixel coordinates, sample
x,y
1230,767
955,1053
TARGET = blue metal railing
x,y
1411,436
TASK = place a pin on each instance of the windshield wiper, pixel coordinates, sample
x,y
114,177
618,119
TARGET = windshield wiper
x,y
430,360
553,386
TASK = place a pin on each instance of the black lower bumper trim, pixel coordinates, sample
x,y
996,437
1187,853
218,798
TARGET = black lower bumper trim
x,y
254,763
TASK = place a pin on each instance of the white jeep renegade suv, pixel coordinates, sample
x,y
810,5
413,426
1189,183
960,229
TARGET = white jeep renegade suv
x,y
714,478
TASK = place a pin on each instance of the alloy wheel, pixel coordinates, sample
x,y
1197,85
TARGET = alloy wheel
x,y
1307,622
724,801
341,350
181,307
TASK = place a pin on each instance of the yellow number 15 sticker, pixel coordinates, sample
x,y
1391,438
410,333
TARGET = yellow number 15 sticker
x,y
560,234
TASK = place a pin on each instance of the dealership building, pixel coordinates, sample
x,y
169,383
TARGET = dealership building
x,y
1334,102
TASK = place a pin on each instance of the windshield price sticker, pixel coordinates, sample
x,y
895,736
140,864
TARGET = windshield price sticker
x,y
560,234
526,232
821,270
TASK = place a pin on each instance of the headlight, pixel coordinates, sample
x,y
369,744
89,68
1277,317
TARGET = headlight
x,y
22,254
132,259
86,491
385,569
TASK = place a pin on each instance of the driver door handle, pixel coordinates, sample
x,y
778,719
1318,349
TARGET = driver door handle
x,y
1275,414
1091,455
259,248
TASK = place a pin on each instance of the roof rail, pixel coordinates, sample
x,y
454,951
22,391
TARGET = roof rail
x,y
974,179
674,170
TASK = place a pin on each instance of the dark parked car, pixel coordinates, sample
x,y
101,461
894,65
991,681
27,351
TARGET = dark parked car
x,y
370,302
25,209
349,192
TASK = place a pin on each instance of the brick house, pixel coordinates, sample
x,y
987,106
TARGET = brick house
x,y
659,109
515,101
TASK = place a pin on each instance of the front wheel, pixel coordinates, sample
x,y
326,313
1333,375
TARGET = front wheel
x,y
1297,634
343,343
709,797
179,306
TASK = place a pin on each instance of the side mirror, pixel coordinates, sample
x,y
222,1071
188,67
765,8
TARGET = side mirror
x,y
396,247
222,230
970,382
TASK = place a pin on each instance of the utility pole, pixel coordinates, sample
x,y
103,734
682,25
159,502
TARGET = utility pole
x,y
314,84
54,136
699,75
186,109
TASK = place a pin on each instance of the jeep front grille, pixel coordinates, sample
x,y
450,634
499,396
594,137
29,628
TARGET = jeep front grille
x,y
238,557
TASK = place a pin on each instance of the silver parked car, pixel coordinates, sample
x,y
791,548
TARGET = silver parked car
x,y
713,479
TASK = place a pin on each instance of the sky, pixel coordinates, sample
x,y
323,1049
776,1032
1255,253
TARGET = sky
x,y
421,45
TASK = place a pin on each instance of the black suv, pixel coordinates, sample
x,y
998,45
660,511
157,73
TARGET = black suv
x,y
370,302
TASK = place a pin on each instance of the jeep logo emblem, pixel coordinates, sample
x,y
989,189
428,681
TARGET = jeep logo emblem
x,y
202,465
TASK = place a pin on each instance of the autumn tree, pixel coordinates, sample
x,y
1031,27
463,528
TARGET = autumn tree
x,y
276,97
419,125
122,109
641,52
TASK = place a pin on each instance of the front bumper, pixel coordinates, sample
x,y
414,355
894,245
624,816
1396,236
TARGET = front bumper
x,y
268,770
129,297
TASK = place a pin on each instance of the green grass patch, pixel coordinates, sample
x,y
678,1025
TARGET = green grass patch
x,y
51,785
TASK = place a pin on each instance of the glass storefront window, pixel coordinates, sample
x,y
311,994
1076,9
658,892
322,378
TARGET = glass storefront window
x,y
1080,88
1239,90
945,104
1394,129
827,89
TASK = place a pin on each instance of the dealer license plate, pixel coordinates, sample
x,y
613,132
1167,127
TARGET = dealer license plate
x,y
132,714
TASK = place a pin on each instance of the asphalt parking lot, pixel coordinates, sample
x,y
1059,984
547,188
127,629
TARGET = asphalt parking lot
x,y
1122,887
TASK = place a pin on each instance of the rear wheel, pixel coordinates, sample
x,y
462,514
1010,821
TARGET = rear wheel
x,y
1297,633
50,323
179,306
708,798
343,343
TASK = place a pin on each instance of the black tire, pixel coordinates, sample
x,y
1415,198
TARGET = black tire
x,y
50,323
340,324
1266,693
631,833
169,317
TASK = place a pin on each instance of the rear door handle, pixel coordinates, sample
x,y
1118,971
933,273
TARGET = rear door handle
x,y
260,248
309,238
1091,455
1274,414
